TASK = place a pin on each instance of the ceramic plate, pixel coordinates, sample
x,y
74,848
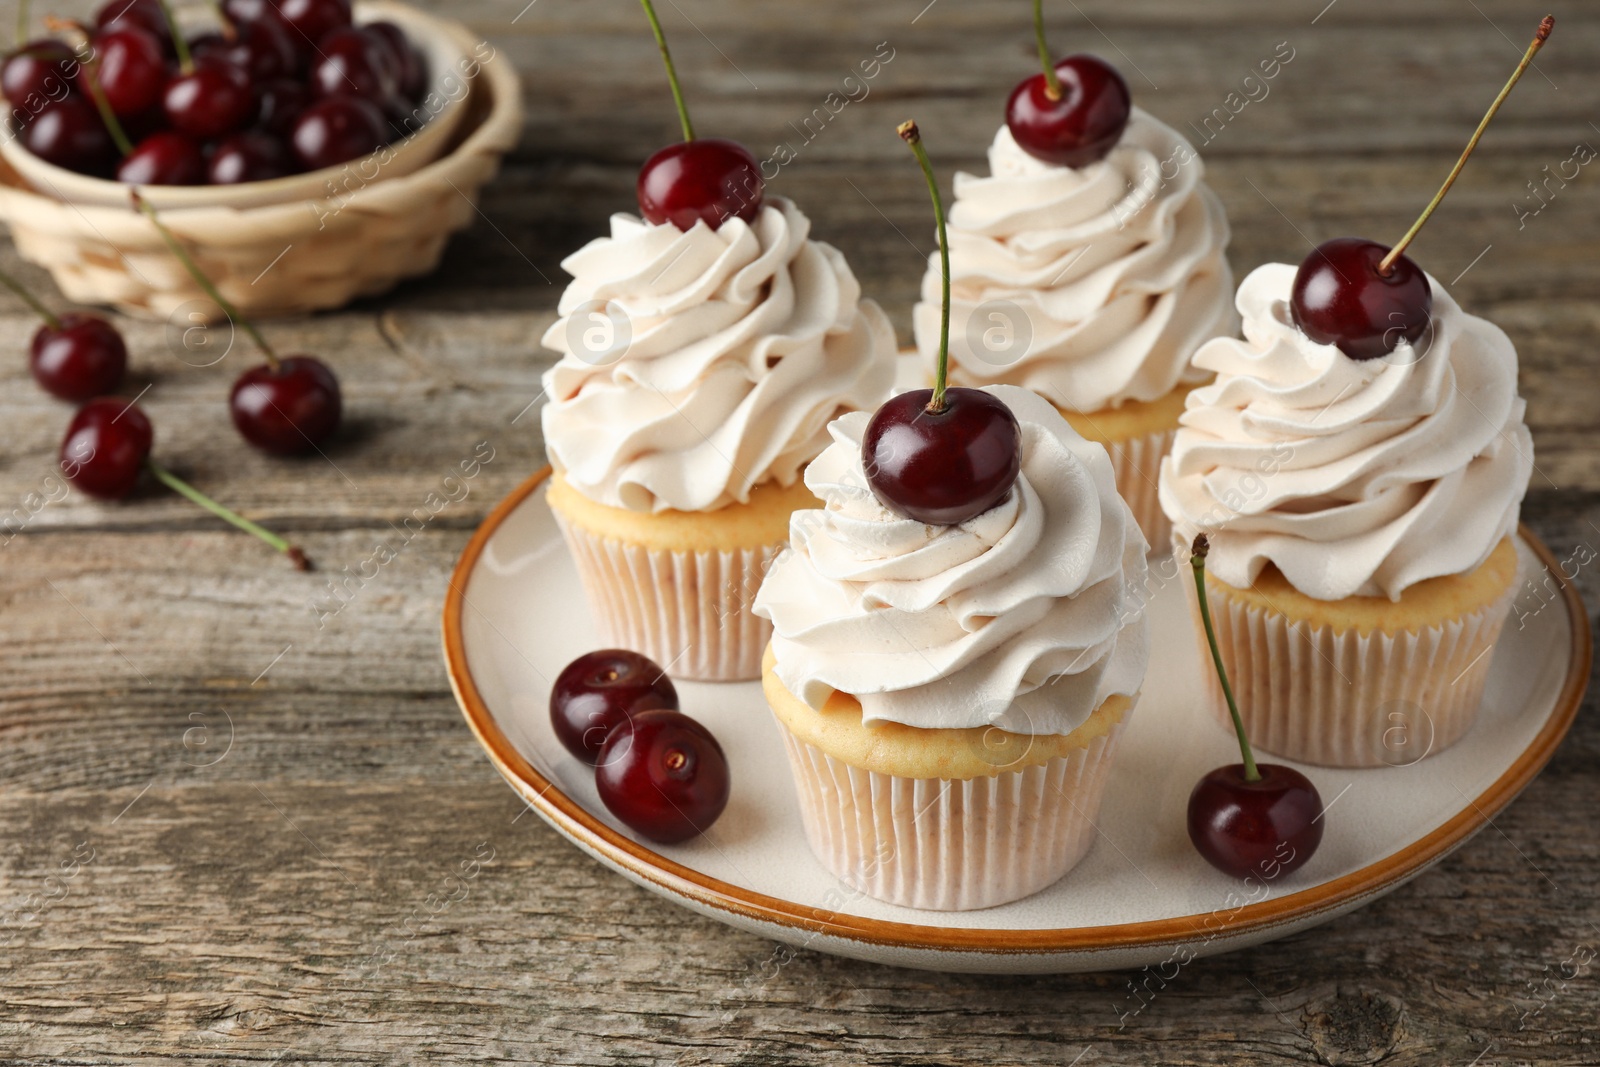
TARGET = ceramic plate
x,y
515,615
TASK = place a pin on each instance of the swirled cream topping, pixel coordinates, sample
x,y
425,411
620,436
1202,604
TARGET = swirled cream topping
x,y
1353,478
1091,286
1027,617
698,365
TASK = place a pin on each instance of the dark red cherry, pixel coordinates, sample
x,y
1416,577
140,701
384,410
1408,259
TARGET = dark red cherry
x,y
107,444
130,68
409,62
287,409
250,156
143,15
164,158
664,775
1339,298
1264,828
945,468
1083,125
69,134
336,130
44,69
262,49
210,101
279,105
706,180
597,692
83,357
355,62
312,20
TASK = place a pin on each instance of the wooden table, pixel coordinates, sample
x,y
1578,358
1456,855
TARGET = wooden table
x,y
235,811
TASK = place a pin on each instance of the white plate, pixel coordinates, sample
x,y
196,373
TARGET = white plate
x,y
515,615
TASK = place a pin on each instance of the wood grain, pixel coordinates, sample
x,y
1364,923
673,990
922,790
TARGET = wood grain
x,y
269,808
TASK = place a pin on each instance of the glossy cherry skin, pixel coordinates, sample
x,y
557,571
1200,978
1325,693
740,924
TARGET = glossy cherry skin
x,y
355,62
143,15
262,49
164,158
107,444
707,180
336,130
82,358
291,409
212,100
44,69
131,69
1261,829
279,105
599,691
409,62
312,20
1083,125
945,468
664,775
1339,298
249,156
69,134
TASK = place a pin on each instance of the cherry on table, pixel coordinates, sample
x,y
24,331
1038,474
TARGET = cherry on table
x,y
942,467
664,775
43,68
106,447
706,180
1263,828
77,357
69,133
130,68
1079,126
598,691
166,157
213,99
336,130
249,156
287,408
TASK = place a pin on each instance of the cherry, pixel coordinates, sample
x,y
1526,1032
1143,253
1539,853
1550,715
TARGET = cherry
x,y
289,408
145,15
69,133
600,690
279,105
664,775
164,158
336,130
1262,827
413,69
708,180
78,356
942,467
312,20
106,447
44,69
1073,125
213,99
354,62
129,67
262,49
250,156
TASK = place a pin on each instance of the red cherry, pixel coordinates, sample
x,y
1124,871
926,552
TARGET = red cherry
x,y
355,62
944,468
279,105
44,69
107,444
601,690
212,100
312,20
413,69
262,49
1265,828
336,130
69,134
1339,298
143,15
83,357
164,158
250,156
1083,125
706,180
131,69
291,408
664,775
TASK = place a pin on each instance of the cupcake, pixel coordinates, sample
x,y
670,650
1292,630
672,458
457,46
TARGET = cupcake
x,y
951,696
1092,285
700,368
1360,513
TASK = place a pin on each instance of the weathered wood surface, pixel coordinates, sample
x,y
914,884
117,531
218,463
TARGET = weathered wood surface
x,y
285,899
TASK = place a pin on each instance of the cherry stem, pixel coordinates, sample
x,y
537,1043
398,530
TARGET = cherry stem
x,y
179,45
912,136
205,283
183,488
32,301
1051,80
1198,561
1545,26
119,136
672,72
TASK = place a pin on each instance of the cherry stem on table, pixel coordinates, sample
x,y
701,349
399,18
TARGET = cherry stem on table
x,y
1539,38
912,136
204,282
183,488
672,72
179,45
32,301
1198,561
1051,80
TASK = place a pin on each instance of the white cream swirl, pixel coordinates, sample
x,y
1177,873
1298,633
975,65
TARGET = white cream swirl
x,y
733,348
1027,617
1117,272
1353,478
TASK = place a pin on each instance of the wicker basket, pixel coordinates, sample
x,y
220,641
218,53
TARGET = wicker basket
x,y
307,255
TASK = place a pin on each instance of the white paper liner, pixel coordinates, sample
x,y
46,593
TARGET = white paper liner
x,y
1315,695
948,845
688,611
1137,465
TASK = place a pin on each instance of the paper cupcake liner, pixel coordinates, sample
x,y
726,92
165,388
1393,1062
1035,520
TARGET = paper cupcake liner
x,y
1344,699
1137,464
688,611
948,845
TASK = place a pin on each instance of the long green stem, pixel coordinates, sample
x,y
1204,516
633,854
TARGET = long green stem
x,y
32,301
178,485
1051,81
205,283
179,45
672,72
912,136
1543,34
1198,562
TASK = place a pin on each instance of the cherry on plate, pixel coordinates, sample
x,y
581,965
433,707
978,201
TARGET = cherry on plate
x,y
1340,298
79,357
598,691
106,447
1079,127
289,408
706,180
663,775
1263,828
945,467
